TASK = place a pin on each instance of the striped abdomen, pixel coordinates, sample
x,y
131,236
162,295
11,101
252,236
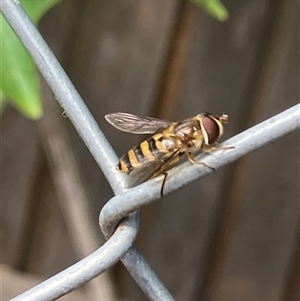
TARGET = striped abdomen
x,y
149,150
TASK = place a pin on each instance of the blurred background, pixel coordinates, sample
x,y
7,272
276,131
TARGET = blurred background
x,y
233,235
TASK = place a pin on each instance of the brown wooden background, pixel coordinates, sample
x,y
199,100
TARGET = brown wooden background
x,y
232,235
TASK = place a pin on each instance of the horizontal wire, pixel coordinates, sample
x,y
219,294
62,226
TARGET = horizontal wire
x,y
104,155
245,142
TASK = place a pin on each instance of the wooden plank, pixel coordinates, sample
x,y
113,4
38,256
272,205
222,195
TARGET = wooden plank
x,y
22,173
19,158
292,290
221,75
50,246
255,250
45,221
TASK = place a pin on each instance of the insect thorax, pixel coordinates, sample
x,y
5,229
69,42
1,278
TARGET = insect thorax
x,y
188,133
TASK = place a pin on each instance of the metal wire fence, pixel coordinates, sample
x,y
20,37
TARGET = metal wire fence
x,y
119,218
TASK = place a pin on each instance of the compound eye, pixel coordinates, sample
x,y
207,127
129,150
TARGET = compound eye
x,y
212,129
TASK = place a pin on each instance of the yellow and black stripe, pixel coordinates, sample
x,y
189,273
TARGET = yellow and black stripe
x,y
148,150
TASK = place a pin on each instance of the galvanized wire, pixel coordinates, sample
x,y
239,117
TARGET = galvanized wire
x,y
121,235
84,270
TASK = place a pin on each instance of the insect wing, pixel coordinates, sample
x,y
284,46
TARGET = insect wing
x,y
152,168
137,125
143,173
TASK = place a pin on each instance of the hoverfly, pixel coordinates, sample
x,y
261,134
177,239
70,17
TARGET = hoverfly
x,y
170,141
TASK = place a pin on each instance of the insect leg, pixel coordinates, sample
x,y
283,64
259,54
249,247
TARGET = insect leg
x,y
208,149
165,174
194,161
168,162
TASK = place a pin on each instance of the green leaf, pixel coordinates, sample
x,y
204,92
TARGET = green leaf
x,y
19,83
19,76
213,7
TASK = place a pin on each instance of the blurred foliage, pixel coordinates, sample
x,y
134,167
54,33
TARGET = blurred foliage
x,y
19,84
213,7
